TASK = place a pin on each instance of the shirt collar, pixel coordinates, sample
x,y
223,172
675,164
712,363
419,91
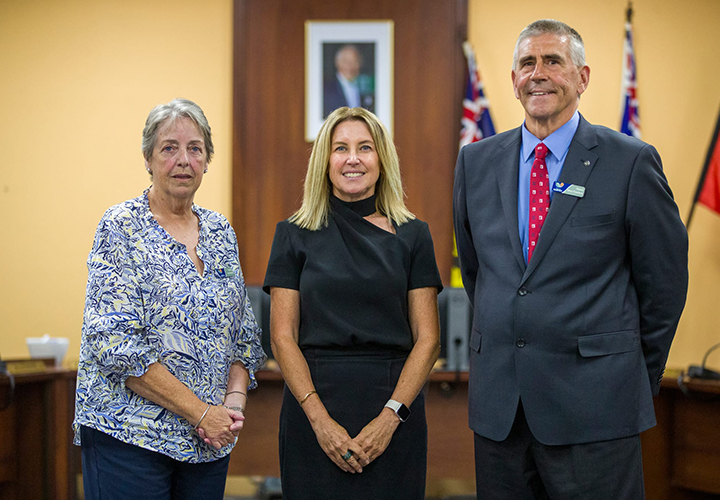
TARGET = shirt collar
x,y
344,81
558,142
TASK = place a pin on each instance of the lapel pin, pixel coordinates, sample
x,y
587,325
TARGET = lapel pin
x,y
586,163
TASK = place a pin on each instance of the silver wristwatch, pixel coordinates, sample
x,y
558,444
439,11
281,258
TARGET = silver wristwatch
x,y
402,411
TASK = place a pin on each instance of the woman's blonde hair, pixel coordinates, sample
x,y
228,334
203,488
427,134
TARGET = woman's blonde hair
x,y
390,197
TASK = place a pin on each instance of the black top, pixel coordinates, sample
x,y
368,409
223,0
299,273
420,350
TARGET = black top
x,y
353,277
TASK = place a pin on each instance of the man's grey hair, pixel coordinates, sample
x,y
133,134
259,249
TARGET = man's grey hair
x,y
553,27
177,108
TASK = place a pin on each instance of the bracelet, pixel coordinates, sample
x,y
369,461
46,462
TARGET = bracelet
x,y
236,392
307,396
235,408
203,416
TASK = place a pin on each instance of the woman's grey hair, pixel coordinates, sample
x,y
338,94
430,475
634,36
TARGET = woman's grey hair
x,y
177,108
553,27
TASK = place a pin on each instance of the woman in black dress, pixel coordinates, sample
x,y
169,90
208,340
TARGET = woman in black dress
x,y
354,322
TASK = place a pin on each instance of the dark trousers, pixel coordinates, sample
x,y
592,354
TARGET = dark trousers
x,y
114,470
522,468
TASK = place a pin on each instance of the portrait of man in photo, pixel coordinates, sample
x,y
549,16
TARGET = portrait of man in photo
x,y
348,76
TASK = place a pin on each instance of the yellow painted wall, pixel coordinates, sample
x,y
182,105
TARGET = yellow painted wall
x,y
78,78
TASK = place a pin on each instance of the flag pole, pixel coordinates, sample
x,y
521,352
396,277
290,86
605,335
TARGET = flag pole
x,y
629,12
701,183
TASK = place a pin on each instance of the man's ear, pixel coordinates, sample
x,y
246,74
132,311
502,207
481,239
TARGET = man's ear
x,y
584,79
515,90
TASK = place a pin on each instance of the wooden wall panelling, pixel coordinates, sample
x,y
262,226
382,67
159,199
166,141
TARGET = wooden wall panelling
x,y
269,150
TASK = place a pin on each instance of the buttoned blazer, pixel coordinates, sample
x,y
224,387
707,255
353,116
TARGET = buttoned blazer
x,y
580,335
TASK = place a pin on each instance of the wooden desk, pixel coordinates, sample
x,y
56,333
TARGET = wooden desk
x,y
681,455
37,457
450,441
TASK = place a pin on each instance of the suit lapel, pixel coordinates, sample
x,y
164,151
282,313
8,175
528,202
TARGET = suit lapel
x,y
579,162
507,162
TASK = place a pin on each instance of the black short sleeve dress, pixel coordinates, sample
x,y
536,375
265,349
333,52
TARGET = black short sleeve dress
x,y
353,278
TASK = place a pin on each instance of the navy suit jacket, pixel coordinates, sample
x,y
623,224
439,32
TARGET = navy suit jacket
x,y
334,97
580,335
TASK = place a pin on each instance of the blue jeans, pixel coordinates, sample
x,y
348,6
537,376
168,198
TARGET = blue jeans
x,y
114,470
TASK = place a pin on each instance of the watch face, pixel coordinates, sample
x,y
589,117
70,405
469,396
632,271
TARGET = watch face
x,y
403,412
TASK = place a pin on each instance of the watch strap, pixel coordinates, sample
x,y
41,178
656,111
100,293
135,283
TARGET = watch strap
x,y
402,411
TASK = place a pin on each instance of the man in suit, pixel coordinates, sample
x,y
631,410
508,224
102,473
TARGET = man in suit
x,y
575,305
343,88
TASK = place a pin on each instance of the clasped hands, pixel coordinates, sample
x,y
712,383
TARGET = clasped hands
x,y
369,444
221,426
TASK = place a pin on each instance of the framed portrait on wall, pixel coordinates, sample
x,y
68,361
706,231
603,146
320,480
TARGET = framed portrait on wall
x,y
347,63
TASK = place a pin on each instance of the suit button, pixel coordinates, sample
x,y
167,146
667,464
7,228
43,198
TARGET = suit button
x,y
520,343
522,292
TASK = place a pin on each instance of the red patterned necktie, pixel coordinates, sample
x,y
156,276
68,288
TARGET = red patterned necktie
x,y
539,196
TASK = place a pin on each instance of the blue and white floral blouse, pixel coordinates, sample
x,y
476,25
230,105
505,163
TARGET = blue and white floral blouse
x,y
145,303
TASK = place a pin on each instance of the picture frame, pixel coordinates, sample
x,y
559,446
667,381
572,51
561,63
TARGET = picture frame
x,y
348,63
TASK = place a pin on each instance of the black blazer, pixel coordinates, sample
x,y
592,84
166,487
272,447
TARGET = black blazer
x,y
582,334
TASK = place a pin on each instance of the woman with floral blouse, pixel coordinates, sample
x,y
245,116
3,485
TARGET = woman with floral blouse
x,y
170,344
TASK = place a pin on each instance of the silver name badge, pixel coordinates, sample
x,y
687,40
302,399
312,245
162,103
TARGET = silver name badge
x,y
569,189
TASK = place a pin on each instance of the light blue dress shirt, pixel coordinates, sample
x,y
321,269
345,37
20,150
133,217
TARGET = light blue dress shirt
x,y
558,144
350,90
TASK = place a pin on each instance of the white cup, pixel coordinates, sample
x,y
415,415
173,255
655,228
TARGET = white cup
x,y
48,347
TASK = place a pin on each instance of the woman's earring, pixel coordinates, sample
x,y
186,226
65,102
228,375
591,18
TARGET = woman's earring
x,y
205,171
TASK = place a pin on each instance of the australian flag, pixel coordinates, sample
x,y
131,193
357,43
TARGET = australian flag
x,y
630,124
475,125
476,121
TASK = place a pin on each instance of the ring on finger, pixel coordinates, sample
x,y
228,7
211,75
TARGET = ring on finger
x,y
347,456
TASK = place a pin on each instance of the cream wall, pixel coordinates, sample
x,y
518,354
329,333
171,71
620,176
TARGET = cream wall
x,y
79,77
